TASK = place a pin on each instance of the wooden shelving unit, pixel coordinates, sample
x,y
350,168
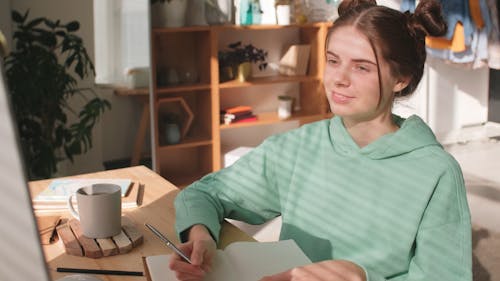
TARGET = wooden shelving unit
x,y
196,48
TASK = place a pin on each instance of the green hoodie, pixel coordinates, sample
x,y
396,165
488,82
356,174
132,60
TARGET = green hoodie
x,y
397,207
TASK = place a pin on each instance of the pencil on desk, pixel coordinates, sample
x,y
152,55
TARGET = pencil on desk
x,y
99,271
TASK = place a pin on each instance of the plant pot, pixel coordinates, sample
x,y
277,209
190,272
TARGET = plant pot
x,y
226,73
169,14
244,71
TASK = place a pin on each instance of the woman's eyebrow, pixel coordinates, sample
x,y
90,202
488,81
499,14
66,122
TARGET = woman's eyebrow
x,y
364,61
331,53
360,60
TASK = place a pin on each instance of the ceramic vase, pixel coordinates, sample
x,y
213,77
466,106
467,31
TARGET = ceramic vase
x,y
169,13
195,14
285,107
218,11
283,14
172,133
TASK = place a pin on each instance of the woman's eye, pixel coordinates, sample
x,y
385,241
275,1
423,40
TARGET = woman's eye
x,y
363,68
331,61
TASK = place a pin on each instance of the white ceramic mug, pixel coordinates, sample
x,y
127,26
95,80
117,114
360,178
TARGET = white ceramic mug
x,y
99,209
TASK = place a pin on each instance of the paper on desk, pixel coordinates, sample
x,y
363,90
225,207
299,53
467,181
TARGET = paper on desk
x,y
248,261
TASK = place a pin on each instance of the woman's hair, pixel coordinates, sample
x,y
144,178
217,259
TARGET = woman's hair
x,y
398,37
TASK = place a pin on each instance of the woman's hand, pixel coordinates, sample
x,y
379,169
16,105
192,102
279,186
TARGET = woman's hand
x,y
201,250
331,270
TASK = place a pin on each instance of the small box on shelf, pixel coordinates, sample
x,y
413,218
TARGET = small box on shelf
x,y
234,155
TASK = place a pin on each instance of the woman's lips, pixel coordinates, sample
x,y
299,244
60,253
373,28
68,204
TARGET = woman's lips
x,y
340,99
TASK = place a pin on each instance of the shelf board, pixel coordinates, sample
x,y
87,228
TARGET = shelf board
x,y
159,30
267,80
188,142
182,88
269,26
267,118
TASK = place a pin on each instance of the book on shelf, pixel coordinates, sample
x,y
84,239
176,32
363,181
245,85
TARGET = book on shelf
x,y
248,261
237,109
250,118
237,114
131,194
295,60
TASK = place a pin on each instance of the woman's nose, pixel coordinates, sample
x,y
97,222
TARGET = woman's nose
x,y
341,77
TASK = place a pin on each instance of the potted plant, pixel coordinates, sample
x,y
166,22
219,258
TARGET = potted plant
x,y
238,59
41,77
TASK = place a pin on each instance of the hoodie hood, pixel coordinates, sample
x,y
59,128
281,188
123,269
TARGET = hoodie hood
x,y
413,134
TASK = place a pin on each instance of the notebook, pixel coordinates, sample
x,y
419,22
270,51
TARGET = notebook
x,y
132,199
248,261
61,189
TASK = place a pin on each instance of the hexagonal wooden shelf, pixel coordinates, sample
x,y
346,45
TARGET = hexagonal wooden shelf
x,y
188,116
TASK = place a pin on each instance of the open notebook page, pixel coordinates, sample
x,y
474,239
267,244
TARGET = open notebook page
x,y
246,261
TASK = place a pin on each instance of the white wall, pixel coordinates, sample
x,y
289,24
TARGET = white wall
x,y
453,100
5,24
112,137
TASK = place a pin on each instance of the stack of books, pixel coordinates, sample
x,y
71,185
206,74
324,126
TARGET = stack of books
x,y
237,114
55,197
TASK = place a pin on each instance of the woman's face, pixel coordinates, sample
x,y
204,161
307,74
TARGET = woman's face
x,y
351,78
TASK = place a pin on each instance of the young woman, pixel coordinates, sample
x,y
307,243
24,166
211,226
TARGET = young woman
x,y
366,195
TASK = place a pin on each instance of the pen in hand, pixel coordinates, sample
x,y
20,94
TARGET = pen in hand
x,y
168,242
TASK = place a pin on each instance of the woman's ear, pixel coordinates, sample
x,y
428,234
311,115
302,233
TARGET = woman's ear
x,y
401,84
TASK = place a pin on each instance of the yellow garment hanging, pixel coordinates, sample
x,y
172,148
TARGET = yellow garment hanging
x,y
457,42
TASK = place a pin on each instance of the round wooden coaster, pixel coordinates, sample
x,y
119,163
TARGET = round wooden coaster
x,y
75,243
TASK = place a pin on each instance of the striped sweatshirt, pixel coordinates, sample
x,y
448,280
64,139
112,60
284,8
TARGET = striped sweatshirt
x,y
396,207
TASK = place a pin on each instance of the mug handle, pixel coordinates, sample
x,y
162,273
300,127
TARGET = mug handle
x,y
71,208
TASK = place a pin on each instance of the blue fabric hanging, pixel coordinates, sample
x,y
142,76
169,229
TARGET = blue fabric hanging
x,y
454,11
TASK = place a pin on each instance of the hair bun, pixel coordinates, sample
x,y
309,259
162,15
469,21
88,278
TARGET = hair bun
x,y
428,19
347,5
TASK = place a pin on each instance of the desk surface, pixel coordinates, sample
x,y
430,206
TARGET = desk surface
x,y
157,209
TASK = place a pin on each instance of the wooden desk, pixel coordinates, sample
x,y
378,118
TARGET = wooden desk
x,y
157,209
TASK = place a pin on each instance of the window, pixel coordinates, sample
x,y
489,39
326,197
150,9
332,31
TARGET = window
x,y
121,36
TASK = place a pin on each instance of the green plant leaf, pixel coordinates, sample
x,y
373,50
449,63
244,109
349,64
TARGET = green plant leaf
x,y
16,17
61,33
70,59
79,69
48,39
50,23
73,26
41,75
34,22
25,16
